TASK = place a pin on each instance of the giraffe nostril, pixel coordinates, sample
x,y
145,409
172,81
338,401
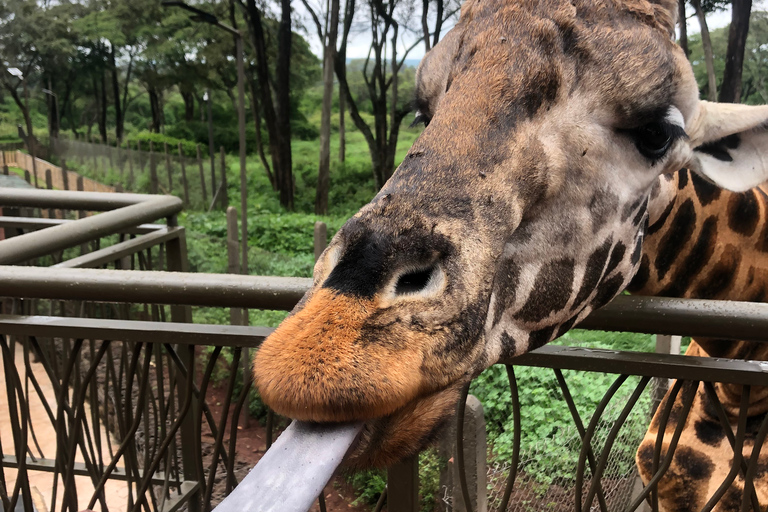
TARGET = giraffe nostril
x,y
414,282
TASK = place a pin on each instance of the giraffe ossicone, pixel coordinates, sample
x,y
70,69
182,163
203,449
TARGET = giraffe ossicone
x,y
520,209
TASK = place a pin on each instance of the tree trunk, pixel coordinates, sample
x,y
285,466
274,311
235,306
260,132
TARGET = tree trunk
x,y
256,113
103,116
189,105
273,110
706,42
425,23
730,90
342,127
97,103
116,94
154,104
683,27
438,22
324,170
53,112
283,96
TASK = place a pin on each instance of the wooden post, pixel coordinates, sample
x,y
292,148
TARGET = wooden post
x,y
6,171
130,164
475,453
120,158
92,148
34,170
168,167
321,238
153,185
236,315
233,257
108,148
202,175
27,177
665,344
403,485
224,196
141,160
64,174
184,176
49,186
81,214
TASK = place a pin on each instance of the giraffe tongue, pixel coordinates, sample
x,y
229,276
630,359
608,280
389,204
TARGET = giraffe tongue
x,y
294,470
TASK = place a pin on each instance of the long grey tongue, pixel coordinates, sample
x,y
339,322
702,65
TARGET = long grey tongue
x,y
294,470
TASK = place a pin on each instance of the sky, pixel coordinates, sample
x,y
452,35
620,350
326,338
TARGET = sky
x,y
359,43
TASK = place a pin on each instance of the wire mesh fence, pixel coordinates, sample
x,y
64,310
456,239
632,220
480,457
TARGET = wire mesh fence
x,y
547,471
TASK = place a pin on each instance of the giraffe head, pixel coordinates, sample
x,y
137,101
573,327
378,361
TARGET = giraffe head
x,y
520,209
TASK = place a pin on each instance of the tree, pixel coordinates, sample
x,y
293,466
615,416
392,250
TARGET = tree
x,y
730,92
683,20
380,74
327,34
707,45
275,98
20,22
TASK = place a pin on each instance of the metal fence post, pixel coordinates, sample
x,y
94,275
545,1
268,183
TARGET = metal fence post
x,y
176,250
403,486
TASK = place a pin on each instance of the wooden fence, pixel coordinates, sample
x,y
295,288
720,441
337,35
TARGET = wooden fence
x,y
43,174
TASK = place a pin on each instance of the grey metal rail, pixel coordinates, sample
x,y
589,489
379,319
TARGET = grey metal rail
x,y
133,330
42,223
214,290
70,200
125,211
653,315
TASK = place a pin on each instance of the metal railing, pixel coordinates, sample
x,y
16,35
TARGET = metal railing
x,y
256,292
130,389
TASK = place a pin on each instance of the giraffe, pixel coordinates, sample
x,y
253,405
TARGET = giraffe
x,y
706,243
520,208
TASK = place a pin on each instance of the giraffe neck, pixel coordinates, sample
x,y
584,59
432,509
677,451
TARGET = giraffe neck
x,y
704,242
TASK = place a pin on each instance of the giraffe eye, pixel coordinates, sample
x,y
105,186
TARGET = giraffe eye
x,y
654,139
417,281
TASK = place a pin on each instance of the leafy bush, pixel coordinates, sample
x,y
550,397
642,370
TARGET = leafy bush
x,y
546,415
370,484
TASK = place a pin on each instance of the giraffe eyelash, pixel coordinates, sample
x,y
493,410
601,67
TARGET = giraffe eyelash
x,y
420,119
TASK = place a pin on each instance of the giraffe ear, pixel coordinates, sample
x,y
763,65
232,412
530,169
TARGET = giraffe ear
x,y
730,144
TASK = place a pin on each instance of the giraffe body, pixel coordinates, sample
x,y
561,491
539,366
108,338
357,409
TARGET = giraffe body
x,y
520,209
706,243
